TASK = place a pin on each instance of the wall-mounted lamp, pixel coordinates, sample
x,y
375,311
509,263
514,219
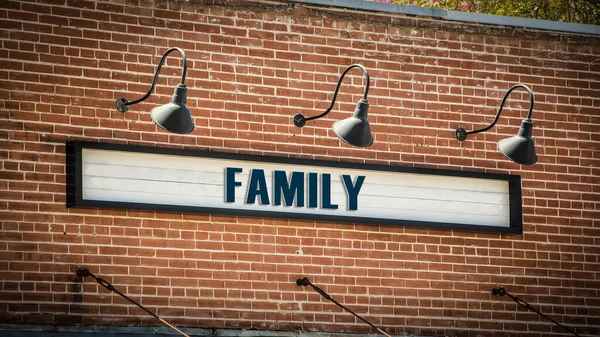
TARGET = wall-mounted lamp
x,y
175,116
519,148
354,130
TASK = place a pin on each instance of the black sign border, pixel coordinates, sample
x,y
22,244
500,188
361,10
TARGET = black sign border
x,y
75,199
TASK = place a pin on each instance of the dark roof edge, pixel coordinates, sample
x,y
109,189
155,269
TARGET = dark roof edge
x,y
25,330
459,16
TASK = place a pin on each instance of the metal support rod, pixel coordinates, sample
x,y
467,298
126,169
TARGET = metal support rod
x,y
300,120
123,104
306,282
521,302
85,272
461,134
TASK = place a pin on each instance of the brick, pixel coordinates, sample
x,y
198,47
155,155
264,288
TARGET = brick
x,y
249,71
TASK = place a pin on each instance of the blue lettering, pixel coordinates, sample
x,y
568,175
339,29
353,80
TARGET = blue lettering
x,y
352,190
326,192
257,186
289,190
297,189
230,183
313,190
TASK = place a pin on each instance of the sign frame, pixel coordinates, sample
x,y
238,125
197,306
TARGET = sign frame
x,y
75,198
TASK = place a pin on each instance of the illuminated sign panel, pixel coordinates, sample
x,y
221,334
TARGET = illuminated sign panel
x,y
131,177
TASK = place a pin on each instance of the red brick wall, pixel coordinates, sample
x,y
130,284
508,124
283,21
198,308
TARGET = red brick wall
x,y
63,63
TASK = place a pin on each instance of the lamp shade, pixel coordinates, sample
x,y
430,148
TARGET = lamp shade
x,y
355,130
520,148
175,116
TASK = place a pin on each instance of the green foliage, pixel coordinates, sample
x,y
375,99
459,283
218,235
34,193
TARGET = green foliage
x,y
579,11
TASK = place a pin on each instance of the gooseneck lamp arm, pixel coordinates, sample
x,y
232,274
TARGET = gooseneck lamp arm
x,y
461,134
522,303
300,120
306,282
123,104
85,273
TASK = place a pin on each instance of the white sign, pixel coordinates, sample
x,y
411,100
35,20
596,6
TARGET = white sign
x,y
165,179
